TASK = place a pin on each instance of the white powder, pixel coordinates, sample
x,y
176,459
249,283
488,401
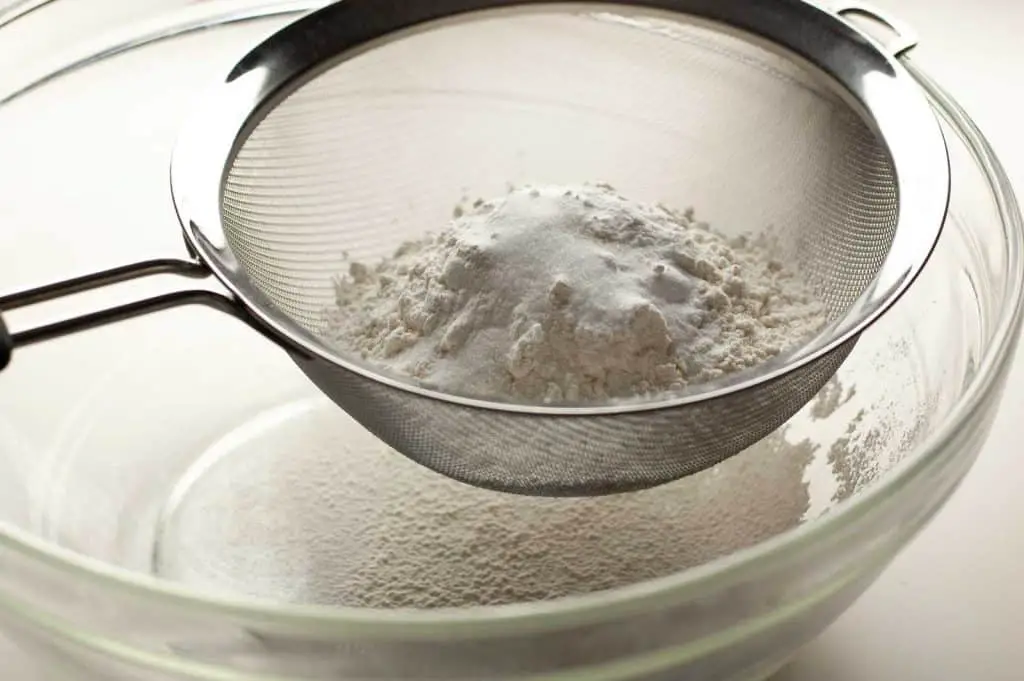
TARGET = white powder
x,y
310,508
565,294
301,504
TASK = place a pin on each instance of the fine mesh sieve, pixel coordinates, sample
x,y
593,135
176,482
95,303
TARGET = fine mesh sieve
x,y
358,127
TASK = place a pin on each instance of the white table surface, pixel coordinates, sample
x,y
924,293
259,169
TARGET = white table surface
x,y
952,605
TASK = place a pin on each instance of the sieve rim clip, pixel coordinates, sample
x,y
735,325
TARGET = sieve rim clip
x,y
904,37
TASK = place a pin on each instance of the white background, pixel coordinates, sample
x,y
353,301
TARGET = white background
x,y
952,606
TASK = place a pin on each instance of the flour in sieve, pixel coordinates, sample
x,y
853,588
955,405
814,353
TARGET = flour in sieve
x,y
572,293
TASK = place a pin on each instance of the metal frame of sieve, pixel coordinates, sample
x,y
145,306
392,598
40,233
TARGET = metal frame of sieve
x,y
872,80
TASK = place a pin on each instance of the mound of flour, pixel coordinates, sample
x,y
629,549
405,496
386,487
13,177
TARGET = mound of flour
x,y
571,294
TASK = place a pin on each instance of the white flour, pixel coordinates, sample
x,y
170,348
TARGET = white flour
x,y
306,506
565,294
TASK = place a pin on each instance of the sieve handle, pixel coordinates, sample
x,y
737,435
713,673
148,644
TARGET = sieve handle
x,y
187,293
6,345
905,38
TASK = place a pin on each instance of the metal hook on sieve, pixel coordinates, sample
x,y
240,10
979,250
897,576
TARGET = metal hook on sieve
x,y
905,38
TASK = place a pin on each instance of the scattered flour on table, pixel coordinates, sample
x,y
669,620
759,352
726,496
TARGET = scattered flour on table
x,y
570,294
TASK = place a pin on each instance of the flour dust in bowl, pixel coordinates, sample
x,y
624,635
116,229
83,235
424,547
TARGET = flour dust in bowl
x,y
560,339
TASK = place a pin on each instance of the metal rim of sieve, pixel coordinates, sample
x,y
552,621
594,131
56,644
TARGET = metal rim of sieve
x,y
873,80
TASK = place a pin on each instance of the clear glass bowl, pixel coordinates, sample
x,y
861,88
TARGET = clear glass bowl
x,y
178,503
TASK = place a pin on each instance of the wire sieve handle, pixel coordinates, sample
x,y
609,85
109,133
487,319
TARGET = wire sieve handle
x,y
905,37
187,293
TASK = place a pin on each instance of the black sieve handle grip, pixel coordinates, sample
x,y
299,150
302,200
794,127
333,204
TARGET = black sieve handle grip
x,y
6,345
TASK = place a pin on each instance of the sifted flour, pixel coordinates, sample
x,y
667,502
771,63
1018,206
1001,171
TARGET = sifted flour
x,y
303,505
572,293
